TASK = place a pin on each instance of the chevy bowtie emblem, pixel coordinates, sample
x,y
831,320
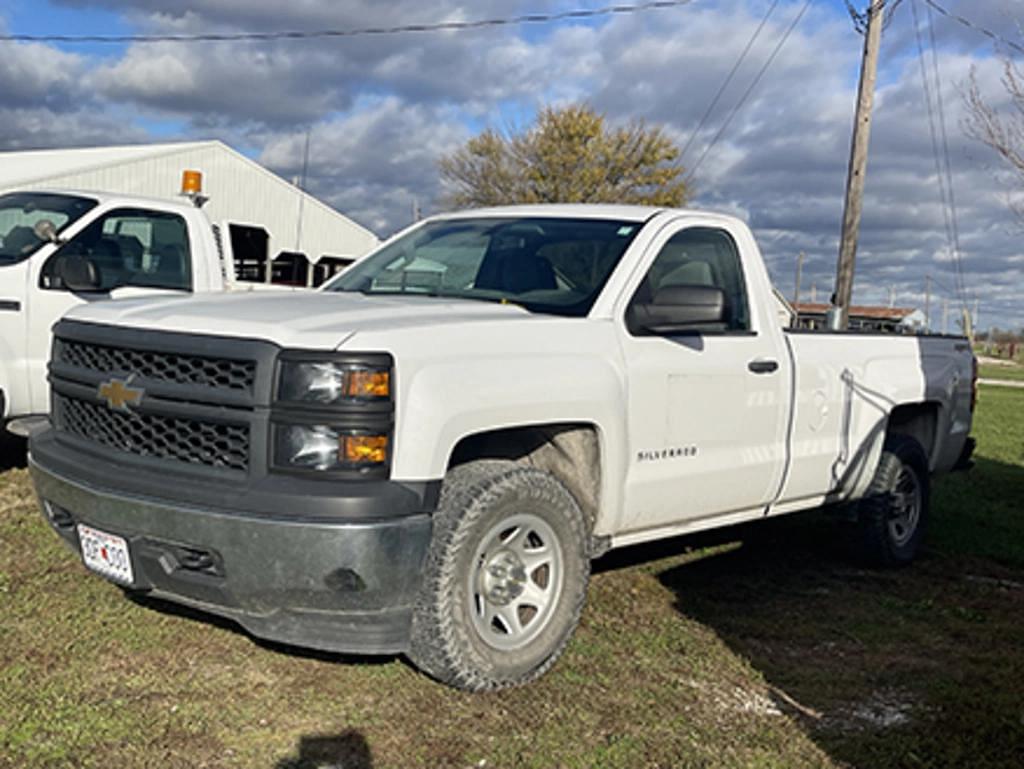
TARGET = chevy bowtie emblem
x,y
118,395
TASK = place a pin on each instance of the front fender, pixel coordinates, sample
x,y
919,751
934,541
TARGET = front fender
x,y
444,402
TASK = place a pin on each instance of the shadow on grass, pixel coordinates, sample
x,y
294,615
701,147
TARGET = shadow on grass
x,y
13,453
226,623
919,666
348,750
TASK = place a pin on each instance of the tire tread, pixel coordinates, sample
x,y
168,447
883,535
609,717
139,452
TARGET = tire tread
x,y
435,646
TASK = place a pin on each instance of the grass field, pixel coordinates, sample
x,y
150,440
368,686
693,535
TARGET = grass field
x,y
1011,371
757,647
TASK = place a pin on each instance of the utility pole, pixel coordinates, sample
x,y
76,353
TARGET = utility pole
x,y
814,292
928,302
799,273
892,296
839,313
968,326
945,316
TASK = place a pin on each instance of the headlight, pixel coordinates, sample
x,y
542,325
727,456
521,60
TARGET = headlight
x,y
333,414
327,383
322,447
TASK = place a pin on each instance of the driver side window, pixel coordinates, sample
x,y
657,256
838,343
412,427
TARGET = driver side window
x,y
701,256
130,247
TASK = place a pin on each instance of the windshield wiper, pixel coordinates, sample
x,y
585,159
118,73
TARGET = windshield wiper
x,y
436,294
398,292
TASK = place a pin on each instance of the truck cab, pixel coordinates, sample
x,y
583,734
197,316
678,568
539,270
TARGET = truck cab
x,y
133,247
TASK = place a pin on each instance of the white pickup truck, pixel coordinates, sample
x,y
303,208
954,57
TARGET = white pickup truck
x,y
424,456
61,249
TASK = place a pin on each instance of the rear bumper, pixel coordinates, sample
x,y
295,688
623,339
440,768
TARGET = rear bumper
x,y
331,584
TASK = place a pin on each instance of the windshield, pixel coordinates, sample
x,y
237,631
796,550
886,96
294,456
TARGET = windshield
x,y
544,264
21,212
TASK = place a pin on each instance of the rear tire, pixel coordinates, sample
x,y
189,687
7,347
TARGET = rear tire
x,y
893,514
505,578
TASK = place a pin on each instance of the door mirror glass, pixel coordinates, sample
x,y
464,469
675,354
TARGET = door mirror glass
x,y
679,309
79,273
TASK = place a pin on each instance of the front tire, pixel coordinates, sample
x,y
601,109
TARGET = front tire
x,y
505,579
893,514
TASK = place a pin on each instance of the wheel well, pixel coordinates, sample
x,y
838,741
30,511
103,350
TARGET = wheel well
x,y
570,452
917,420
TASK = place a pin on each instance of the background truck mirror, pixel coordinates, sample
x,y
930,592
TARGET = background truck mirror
x,y
79,273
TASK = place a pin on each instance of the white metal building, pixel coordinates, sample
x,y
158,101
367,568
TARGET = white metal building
x,y
239,190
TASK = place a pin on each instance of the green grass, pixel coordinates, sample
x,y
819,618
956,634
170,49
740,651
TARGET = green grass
x,y
1013,372
760,646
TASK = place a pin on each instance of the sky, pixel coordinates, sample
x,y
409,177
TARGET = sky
x,y
381,110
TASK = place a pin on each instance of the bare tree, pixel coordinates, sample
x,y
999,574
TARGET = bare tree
x,y
1003,131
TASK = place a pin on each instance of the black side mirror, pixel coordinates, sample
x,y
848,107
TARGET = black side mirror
x,y
79,273
678,309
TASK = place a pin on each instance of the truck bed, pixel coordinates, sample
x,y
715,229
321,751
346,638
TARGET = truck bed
x,y
845,386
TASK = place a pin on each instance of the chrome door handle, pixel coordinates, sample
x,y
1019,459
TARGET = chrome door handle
x,y
760,366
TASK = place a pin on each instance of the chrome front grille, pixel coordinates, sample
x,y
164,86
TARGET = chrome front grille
x,y
193,441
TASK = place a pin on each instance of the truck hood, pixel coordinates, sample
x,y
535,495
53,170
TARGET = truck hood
x,y
314,320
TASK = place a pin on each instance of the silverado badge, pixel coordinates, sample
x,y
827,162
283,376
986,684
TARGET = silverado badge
x,y
118,395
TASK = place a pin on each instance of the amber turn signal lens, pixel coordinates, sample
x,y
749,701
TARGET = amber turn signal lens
x,y
366,449
369,384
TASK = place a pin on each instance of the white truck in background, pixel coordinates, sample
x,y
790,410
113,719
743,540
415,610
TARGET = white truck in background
x,y
424,456
62,249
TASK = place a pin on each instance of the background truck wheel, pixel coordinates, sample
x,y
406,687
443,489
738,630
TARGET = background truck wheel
x,y
893,514
505,578
12,449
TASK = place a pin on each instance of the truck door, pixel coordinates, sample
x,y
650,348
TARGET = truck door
x,y
28,222
708,408
13,314
137,252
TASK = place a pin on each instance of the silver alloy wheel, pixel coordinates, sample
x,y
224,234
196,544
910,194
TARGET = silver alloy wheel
x,y
515,582
906,507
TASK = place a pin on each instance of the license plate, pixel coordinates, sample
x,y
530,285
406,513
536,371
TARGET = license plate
x,y
106,554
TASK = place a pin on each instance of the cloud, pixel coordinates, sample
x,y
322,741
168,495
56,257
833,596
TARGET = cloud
x,y
374,163
42,103
382,110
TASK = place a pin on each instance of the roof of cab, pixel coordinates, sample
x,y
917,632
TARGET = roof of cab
x,y
104,198
577,211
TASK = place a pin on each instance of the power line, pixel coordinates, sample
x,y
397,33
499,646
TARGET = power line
x,y
728,79
943,170
976,27
753,85
443,26
957,254
940,177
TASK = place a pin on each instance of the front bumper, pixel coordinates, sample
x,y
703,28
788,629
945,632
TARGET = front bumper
x,y
329,583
